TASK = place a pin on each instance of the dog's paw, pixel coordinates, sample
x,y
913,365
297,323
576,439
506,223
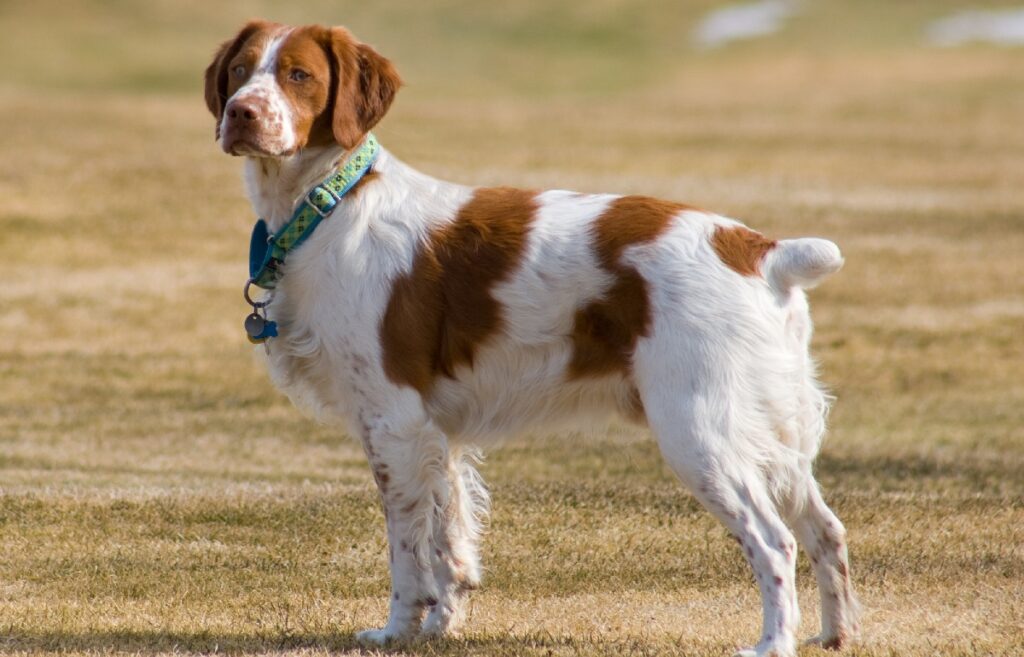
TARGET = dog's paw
x,y
443,620
435,626
378,637
766,650
829,642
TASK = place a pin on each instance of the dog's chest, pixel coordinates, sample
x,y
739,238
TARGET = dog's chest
x,y
328,309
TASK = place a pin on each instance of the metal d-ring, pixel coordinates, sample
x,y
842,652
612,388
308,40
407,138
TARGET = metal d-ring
x,y
255,304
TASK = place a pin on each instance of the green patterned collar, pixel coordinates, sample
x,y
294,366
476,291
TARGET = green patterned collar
x,y
267,252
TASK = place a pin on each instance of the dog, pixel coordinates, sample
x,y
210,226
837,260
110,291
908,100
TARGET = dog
x,y
433,319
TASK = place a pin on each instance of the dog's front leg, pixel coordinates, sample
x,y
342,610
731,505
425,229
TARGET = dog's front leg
x,y
409,459
456,561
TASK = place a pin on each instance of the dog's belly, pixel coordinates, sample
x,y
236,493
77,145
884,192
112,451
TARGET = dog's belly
x,y
512,387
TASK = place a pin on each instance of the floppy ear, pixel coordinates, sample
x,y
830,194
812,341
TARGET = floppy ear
x,y
217,71
364,85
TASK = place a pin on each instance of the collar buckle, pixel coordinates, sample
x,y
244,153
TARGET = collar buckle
x,y
309,200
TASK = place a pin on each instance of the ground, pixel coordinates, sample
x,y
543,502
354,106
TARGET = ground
x,y
158,496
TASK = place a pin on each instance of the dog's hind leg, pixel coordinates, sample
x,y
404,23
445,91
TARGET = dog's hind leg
x,y
410,461
456,561
739,498
702,434
823,536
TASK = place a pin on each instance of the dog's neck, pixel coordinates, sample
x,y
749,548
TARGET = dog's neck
x,y
276,185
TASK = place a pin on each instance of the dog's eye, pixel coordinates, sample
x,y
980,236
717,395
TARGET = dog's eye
x,y
298,75
239,71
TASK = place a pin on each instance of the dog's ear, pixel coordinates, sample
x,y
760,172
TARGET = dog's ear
x,y
363,85
217,71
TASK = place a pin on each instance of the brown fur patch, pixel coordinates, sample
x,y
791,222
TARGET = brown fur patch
x,y
307,49
741,249
443,310
363,85
606,330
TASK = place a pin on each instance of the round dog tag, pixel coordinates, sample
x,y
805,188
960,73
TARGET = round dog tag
x,y
254,325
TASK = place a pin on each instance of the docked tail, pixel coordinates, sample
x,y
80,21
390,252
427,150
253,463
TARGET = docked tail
x,y
801,263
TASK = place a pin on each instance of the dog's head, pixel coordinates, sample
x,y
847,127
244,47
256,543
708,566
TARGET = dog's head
x,y
276,89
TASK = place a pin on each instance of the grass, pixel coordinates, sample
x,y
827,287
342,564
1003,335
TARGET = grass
x,y
160,497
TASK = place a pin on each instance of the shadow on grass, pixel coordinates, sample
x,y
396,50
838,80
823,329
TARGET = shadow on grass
x,y
148,642
200,642
917,473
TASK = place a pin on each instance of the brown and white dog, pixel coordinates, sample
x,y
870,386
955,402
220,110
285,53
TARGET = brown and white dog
x,y
434,318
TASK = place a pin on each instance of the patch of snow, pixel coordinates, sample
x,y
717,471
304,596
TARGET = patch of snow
x,y
1004,27
743,21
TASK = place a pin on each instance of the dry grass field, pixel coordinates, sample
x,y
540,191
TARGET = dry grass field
x,y
158,496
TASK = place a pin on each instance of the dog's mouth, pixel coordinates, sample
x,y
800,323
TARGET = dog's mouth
x,y
249,148
238,147
252,143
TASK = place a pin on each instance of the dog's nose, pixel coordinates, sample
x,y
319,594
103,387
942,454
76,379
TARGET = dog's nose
x,y
244,111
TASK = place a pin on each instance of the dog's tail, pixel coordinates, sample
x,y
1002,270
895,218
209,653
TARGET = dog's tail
x,y
799,418
802,263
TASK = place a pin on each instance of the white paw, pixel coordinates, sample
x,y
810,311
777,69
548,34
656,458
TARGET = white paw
x,y
770,650
828,643
442,621
376,637
434,625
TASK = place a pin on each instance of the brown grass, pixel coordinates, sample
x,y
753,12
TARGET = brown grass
x,y
160,497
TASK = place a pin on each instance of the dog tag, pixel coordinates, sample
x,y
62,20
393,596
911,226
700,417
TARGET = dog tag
x,y
254,325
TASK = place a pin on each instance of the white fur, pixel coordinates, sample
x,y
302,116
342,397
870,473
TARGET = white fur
x,y
724,375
